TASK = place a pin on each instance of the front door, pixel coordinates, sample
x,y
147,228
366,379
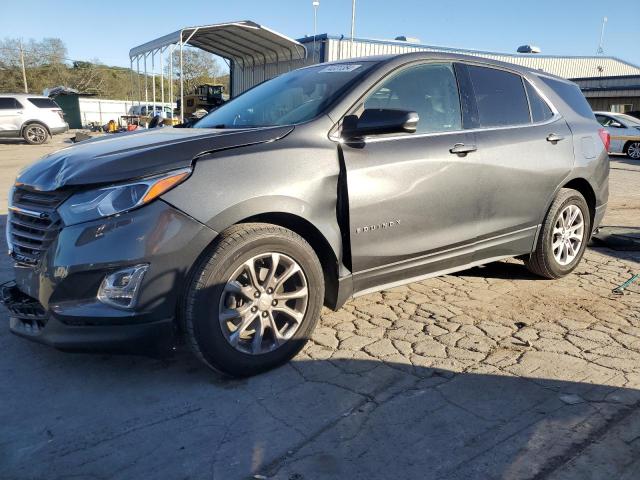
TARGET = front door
x,y
412,203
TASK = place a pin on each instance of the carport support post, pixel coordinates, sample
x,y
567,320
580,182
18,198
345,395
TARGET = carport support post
x,y
139,82
182,76
181,84
153,82
161,81
171,78
131,79
146,87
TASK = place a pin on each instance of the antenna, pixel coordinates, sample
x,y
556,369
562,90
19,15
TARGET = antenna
x,y
601,45
316,4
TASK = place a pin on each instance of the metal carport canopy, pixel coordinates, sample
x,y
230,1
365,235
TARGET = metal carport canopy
x,y
245,42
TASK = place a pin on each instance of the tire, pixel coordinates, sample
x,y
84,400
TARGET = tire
x,y
632,150
35,134
221,287
549,262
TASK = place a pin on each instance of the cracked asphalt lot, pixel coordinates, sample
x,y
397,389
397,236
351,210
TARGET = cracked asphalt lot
x,y
486,374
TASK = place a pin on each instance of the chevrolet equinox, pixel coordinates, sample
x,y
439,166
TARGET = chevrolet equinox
x,y
325,183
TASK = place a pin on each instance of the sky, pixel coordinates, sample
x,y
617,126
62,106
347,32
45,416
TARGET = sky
x,y
107,30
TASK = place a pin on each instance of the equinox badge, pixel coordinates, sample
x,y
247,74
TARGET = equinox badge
x,y
379,226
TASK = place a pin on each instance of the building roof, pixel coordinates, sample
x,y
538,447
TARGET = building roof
x,y
561,65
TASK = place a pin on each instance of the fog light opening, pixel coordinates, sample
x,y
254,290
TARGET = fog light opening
x,y
120,289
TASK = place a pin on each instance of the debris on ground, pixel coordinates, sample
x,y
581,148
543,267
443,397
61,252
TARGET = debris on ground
x,y
619,290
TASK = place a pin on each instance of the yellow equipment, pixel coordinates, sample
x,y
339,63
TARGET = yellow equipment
x,y
207,97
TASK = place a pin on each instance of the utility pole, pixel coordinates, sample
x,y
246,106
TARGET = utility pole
x,y
601,45
24,72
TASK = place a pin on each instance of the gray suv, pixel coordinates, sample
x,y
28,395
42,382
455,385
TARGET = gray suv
x,y
326,183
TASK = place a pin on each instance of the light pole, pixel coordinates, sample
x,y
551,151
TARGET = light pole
x,y
316,4
353,23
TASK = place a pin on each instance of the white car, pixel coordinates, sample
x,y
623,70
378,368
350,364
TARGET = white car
x,y
144,110
624,131
32,117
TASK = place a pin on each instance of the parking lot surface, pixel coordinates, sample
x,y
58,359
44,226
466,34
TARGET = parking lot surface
x,y
490,373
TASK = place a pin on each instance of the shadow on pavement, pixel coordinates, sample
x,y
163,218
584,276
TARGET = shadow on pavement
x,y
624,160
100,416
500,270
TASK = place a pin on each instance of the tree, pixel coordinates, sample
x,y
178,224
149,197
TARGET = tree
x,y
198,67
44,62
47,66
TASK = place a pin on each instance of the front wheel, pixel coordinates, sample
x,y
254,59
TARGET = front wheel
x,y
563,236
254,300
632,150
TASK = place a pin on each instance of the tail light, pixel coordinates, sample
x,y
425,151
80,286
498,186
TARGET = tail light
x,y
605,137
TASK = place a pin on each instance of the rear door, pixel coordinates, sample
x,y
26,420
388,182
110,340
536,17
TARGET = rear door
x,y
10,115
525,151
412,203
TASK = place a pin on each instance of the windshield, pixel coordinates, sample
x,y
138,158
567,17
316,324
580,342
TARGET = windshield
x,y
291,98
628,119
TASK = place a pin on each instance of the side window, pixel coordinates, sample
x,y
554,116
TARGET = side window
x,y
44,103
8,104
500,97
429,90
540,111
572,96
605,121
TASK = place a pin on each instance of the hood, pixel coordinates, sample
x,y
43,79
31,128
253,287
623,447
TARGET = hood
x,y
124,156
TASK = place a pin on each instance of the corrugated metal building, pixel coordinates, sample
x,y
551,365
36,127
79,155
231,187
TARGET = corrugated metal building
x,y
612,94
330,48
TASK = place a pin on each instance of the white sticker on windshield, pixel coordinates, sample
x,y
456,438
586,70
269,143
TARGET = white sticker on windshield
x,y
347,67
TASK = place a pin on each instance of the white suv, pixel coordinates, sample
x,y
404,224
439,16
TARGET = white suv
x,y
32,117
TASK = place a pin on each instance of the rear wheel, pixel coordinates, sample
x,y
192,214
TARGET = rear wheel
x,y
632,150
254,300
35,134
563,236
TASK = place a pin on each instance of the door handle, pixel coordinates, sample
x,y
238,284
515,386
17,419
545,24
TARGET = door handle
x,y
554,138
461,149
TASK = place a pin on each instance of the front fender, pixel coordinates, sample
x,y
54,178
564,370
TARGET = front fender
x,y
280,204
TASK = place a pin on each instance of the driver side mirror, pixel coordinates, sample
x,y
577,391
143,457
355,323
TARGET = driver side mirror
x,y
378,122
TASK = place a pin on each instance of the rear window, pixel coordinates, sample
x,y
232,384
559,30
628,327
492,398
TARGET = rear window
x,y
500,97
44,103
540,111
572,96
7,103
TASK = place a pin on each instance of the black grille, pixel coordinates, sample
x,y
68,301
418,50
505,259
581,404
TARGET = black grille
x,y
33,222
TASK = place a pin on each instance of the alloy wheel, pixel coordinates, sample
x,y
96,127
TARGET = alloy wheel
x,y
263,303
633,150
567,235
36,134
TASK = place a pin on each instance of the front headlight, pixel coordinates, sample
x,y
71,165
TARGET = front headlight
x,y
114,199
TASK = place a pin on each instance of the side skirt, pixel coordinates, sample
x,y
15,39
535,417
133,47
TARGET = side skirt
x,y
436,264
